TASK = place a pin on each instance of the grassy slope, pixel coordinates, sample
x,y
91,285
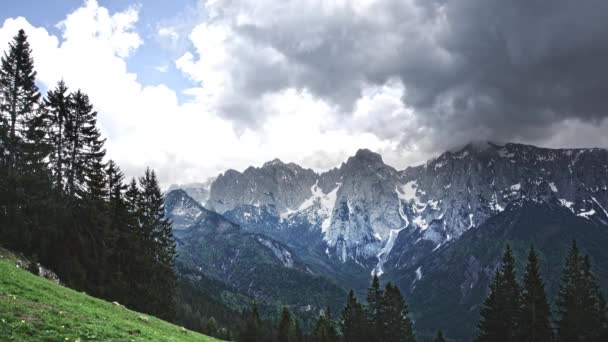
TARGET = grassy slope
x,y
35,309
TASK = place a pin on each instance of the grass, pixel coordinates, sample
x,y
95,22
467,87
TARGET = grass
x,y
35,309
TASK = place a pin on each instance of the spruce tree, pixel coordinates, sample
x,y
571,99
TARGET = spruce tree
x,y
439,337
58,103
325,329
374,299
121,235
86,153
396,325
250,332
569,326
535,316
159,245
581,305
592,303
500,310
19,99
285,326
19,95
298,333
353,321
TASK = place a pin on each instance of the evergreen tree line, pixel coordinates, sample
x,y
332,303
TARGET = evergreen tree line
x,y
63,205
384,318
514,312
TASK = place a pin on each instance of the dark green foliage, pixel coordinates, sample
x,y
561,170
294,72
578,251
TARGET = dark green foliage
x,y
298,333
353,323
374,300
285,330
201,299
325,329
535,316
456,277
63,205
20,144
394,317
58,104
251,330
439,337
500,311
19,97
581,307
158,246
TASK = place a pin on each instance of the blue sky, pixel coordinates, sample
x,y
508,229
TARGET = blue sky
x,y
152,14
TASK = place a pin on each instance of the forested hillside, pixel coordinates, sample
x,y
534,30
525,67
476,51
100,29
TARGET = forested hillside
x,y
63,204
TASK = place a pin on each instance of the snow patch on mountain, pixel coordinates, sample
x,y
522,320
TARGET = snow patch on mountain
x,y
323,202
599,205
385,251
282,254
567,204
586,214
553,187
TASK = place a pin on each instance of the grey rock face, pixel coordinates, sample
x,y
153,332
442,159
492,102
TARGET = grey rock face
x,y
462,189
197,191
374,215
282,185
183,210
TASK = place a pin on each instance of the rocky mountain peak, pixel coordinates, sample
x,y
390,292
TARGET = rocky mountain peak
x,y
274,162
365,156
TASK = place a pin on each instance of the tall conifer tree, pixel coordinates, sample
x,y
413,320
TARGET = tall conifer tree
x,y
160,246
535,316
396,325
58,105
285,329
353,322
500,311
374,300
19,94
439,337
325,329
19,100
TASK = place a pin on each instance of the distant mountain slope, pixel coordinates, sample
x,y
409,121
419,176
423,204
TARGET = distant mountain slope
x,y
365,217
35,309
372,215
253,264
446,288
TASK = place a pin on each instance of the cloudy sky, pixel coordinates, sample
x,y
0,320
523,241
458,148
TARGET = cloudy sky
x,y
192,88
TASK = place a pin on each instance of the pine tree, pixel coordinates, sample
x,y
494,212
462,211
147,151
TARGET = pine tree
x,y
535,317
439,337
121,235
19,94
285,326
325,329
250,332
19,122
569,326
581,305
353,321
396,325
374,299
58,103
500,311
592,304
158,245
85,159
298,334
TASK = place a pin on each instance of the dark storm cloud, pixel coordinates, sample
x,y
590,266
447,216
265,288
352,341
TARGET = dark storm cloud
x,y
475,68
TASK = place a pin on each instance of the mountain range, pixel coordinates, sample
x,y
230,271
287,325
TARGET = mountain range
x,y
437,229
